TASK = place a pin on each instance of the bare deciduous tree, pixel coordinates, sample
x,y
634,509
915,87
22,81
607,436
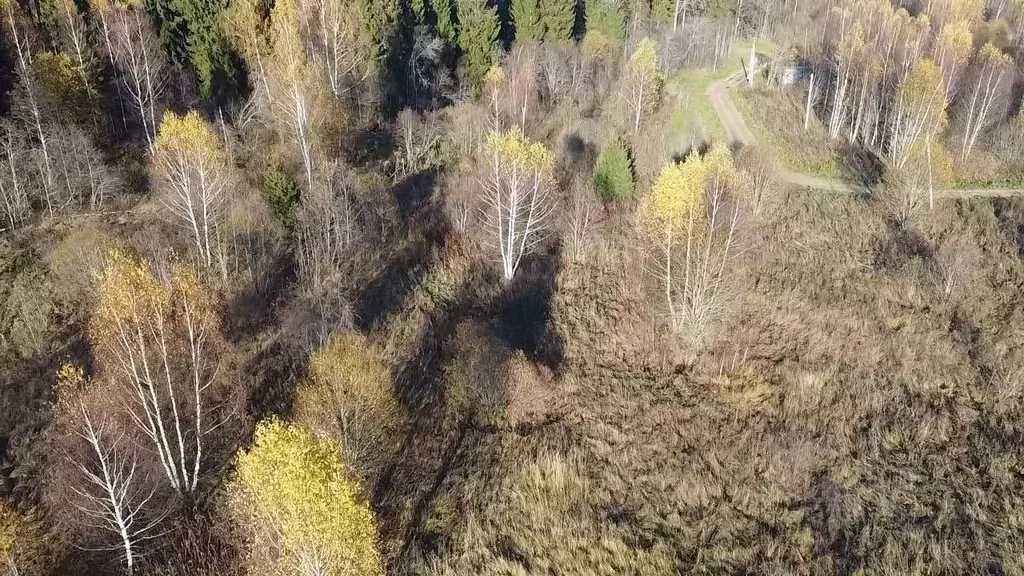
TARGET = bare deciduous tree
x,y
136,52
12,181
579,220
115,499
987,92
195,177
326,226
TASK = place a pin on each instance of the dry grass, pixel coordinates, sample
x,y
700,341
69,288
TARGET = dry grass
x,y
547,519
776,115
853,418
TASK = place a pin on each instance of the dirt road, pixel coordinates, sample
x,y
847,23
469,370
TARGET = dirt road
x,y
739,133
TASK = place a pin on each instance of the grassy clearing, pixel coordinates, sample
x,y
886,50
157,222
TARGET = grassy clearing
x,y
776,117
690,89
692,104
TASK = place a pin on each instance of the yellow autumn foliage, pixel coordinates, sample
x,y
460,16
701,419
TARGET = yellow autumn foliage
x,y
349,386
644,61
129,291
294,493
63,85
21,544
921,89
676,195
187,134
495,77
131,296
516,150
956,41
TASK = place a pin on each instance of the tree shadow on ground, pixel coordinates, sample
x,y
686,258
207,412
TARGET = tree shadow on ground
x,y
427,229
276,371
254,308
523,312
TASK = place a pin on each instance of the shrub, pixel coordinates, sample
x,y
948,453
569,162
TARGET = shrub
x,y
304,510
349,395
613,175
75,264
28,313
282,194
22,548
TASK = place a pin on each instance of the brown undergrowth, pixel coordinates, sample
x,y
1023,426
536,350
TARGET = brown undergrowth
x,y
854,417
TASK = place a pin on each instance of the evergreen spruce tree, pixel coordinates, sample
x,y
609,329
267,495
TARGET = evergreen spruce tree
x,y
380,19
606,25
559,20
478,30
446,22
526,15
613,174
209,53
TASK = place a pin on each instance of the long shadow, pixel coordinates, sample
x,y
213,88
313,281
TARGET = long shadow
x,y
277,371
425,222
420,383
253,309
523,312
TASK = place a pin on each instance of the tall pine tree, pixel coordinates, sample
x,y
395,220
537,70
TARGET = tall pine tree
x,y
478,30
209,53
446,22
380,18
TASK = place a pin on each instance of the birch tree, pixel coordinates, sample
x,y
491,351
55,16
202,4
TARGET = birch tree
x,y
114,499
516,199
693,219
337,43
245,29
136,53
159,342
954,48
296,89
987,92
194,176
918,111
28,99
13,191
643,82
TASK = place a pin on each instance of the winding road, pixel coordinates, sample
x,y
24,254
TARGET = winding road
x,y
738,132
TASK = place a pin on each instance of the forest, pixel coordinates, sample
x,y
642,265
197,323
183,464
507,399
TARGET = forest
x,y
511,287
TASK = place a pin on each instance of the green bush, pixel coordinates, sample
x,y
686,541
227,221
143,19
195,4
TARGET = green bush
x,y
282,194
613,175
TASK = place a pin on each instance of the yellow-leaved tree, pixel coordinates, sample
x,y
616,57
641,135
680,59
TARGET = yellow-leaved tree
x,y
643,82
350,396
691,216
518,205
305,512
919,111
22,549
160,341
194,176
